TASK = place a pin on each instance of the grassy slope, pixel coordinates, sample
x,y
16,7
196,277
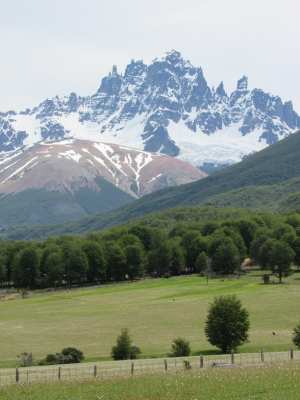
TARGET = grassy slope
x,y
284,196
272,383
156,311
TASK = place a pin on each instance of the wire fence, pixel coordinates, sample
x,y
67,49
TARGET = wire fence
x,y
110,369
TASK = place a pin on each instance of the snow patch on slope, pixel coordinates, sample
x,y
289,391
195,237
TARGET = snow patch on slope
x,y
17,171
71,155
125,133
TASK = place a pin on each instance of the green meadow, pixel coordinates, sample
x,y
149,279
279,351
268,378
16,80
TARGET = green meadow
x,y
155,311
264,383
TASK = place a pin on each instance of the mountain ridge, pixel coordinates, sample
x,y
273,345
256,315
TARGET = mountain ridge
x,y
167,107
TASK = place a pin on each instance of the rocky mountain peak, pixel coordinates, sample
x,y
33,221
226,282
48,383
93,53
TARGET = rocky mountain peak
x,y
166,106
220,91
242,84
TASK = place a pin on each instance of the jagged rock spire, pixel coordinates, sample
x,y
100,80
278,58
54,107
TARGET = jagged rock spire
x,y
242,84
114,71
220,90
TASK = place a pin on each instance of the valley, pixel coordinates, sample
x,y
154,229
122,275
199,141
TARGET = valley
x,y
149,200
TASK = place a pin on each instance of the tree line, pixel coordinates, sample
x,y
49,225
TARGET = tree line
x,y
136,250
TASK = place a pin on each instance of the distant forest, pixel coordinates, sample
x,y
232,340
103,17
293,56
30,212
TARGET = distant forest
x,y
189,240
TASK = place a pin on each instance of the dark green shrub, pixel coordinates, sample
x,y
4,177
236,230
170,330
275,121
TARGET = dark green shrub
x,y
72,355
52,359
124,349
135,352
296,336
180,348
69,355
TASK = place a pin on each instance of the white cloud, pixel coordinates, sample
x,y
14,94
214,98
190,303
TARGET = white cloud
x,y
53,47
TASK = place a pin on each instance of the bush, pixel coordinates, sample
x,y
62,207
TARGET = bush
x,y
124,349
227,323
135,352
180,348
296,336
26,359
69,355
52,359
73,354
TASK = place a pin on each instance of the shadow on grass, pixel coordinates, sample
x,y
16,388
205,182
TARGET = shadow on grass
x,y
207,352
273,283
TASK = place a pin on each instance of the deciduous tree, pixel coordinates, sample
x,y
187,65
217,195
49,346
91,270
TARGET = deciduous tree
x,y
227,323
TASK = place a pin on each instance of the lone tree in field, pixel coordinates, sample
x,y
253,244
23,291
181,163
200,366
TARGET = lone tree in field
x,y
296,336
124,349
180,348
227,323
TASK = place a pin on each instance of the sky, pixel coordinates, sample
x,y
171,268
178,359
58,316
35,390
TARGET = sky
x,y
54,47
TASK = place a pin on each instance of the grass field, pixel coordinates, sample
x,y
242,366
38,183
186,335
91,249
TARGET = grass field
x,y
265,383
155,311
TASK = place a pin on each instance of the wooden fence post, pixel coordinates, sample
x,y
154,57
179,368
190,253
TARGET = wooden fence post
x,y
291,354
95,371
232,358
17,375
201,362
59,373
262,356
132,368
166,365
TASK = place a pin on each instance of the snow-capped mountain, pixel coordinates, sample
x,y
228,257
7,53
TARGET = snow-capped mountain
x,y
70,179
166,107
